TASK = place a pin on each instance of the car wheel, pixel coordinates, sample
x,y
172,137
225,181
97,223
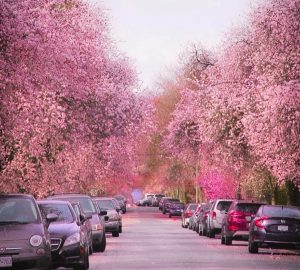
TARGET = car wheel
x,y
212,234
83,266
200,230
91,249
164,212
115,234
222,240
252,247
120,229
227,240
101,247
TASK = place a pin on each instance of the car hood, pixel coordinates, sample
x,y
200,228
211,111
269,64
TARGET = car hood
x,y
62,229
20,231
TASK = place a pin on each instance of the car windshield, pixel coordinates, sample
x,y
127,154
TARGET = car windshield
x,y
248,207
63,212
85,202
17,210
223,205
106,204
281,211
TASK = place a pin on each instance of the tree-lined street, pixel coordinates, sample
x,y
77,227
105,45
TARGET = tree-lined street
x,y
151,240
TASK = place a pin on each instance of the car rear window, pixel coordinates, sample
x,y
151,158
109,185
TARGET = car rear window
x,y
248,207
20,210
281,211
63,212
223,205
85,202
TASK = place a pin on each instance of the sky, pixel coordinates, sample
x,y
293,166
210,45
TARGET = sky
x,y
153,33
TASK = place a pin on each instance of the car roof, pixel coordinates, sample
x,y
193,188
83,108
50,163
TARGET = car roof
x,y
52,201
104,198
16,195
65,195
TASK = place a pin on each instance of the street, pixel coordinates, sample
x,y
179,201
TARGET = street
x,y
151,240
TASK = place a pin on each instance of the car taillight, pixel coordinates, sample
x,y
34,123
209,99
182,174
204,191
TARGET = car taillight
x,y
214,215
188,213
260,222
235,216
206,213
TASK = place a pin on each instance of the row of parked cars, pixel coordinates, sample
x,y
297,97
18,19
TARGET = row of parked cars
x,y
59,231
260,224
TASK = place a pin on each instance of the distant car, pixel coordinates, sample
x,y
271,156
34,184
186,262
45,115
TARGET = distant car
x,y
236,223
146,201
156,199
113,224
216,215
160,204
276,226
122,200
193,218
166,204
24,237
187,213
202,218
176,209
69,236
98,224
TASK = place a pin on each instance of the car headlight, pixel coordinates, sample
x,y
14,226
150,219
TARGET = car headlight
x,y
97,227
72,239
36,240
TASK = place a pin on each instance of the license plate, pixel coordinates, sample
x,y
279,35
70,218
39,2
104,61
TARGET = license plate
x,y
5,261
283,228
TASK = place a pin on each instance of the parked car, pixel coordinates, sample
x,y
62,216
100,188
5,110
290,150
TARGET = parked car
x,y
89,208
156,199
201,220
176,209
25,240
166,204
192,223
236,223
87,223
160,204
216,215
146,201
187,213
122,200
113,224
69,236
276,226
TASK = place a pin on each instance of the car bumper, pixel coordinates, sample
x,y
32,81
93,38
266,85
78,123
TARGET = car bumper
x,y
276,240
112,226
239,235
69,256
175,212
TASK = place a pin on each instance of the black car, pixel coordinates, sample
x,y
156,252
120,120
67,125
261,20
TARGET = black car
x,y
113,223
122,201
89,208
176,209
166,204
69,236
276,226
24,237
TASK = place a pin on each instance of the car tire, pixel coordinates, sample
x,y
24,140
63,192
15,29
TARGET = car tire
x,y
101,247
91,251
227,240
222,240
252,247
120,229
212,234
115,234
83,266
164,212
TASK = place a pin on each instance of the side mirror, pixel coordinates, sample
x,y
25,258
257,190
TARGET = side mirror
x,y
51,218
103,212
106,218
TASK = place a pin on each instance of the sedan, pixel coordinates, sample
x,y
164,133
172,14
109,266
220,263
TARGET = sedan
x,y
276,226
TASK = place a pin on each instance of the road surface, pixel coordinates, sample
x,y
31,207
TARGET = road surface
x,y
151,240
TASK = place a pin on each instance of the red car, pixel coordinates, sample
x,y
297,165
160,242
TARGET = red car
x,y
236,223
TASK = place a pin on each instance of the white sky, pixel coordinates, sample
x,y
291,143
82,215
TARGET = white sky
x,y
152,33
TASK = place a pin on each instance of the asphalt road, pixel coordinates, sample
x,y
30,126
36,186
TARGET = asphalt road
x,y
151,240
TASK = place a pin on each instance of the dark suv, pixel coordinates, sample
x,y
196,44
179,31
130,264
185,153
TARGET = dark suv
x,y
24,238
69,236
89,208
236,223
